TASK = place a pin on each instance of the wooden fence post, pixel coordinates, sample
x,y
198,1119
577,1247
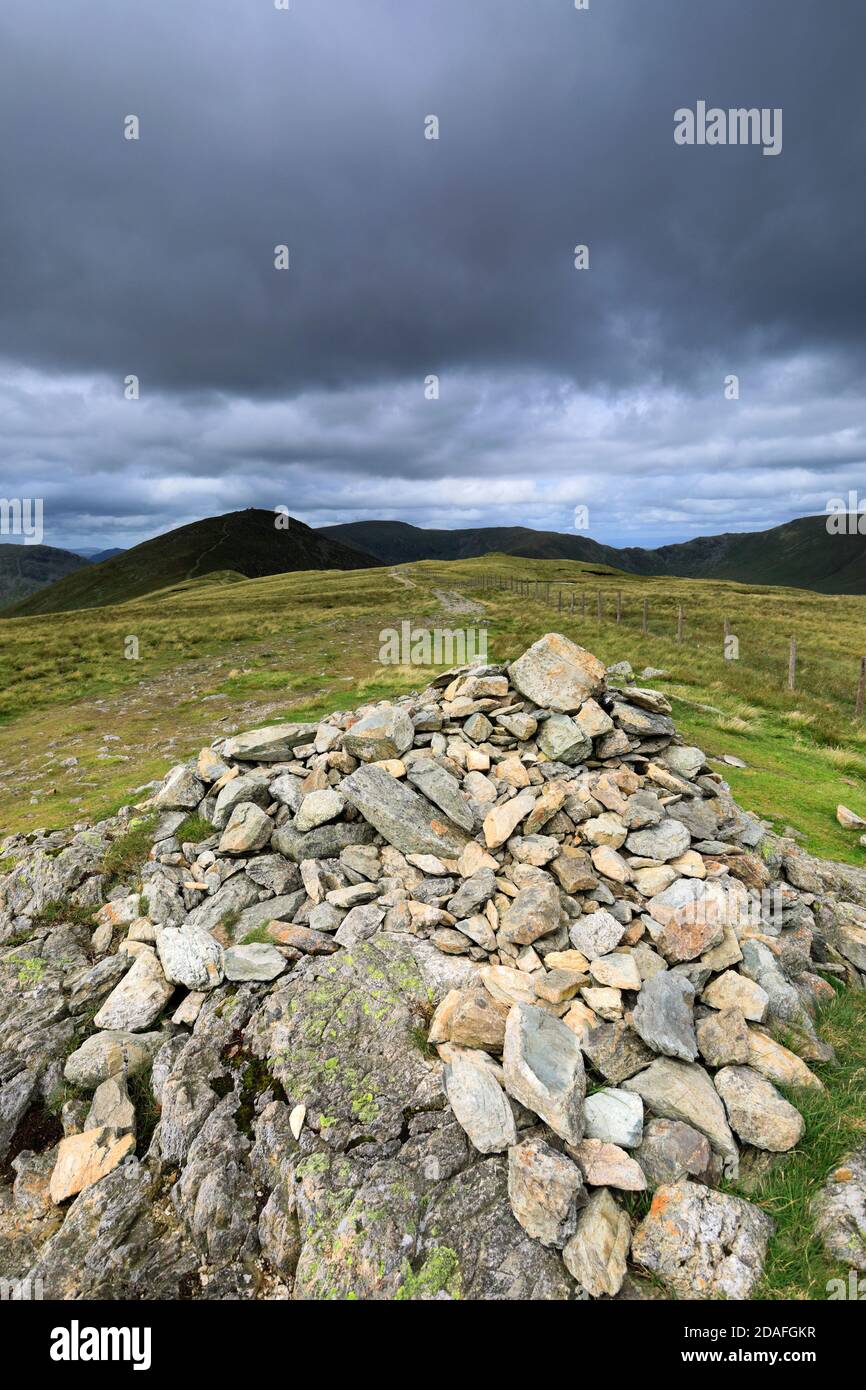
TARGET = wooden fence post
x,y
560,601
599,606
645,623
861,690
680,623
792,664
619,605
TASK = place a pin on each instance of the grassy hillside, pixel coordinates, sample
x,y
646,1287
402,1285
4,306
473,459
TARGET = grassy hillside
x,y
248,543
26,568
799,554
223,652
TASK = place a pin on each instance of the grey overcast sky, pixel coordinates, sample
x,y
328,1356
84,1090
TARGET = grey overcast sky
x,y
559,387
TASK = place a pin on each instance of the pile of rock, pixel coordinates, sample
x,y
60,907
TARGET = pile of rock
x,y
437,983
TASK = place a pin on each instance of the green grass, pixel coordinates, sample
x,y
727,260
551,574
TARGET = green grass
x,y
306,644
193,830
126,855
797,1265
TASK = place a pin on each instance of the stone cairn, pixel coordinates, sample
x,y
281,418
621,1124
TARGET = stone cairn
x,y
450,980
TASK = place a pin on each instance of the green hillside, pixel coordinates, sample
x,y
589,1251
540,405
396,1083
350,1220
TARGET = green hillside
x,y
800,554
26,568
247,543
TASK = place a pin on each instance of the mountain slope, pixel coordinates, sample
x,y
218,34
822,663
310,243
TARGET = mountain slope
x,y
247,542
26,568
799,554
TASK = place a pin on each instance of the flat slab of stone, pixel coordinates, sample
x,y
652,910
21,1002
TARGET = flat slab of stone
x,y
501,823
438,786
406,819
82,1159
139,999
557,674
664,1018
701,1243
480,1106
257,961
543,1067
597,1252
272,744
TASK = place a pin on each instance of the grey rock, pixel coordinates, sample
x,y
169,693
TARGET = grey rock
x,y
326,842
105,1054
756,1110
235,895
543,1068
667,840
534,913
480,1106
557,674
190,957
404,818
181,789
683,1091
251,786
840,1211
111,1107
596,933
116,1243
317,808
544,1189
671,1151
139,999
258,961
274,743
360,924
249,828
597,1252
663,1016
443,790
614,1116
386,733
563,741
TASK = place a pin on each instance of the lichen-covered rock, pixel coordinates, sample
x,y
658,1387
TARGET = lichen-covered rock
x,y
703,1244
840,1211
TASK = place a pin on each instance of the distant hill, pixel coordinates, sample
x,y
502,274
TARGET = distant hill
x,y
97,556
799,554
26,568
246,542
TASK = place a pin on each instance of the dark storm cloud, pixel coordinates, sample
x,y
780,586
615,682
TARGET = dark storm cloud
x,y
409,257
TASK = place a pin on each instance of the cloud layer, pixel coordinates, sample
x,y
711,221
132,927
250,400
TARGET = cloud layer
x,y
410,257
